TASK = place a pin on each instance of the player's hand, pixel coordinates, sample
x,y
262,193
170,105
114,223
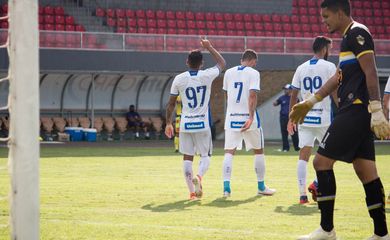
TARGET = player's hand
x,y
205,43
247,125
299,110
291,128
379,125
169,131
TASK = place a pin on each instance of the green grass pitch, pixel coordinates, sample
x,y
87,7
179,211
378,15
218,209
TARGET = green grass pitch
x,y
113,192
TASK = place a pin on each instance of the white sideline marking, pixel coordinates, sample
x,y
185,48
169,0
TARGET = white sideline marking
x,y
129,225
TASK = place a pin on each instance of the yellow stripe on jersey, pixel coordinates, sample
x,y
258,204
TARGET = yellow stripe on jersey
x,y
347,58
364,52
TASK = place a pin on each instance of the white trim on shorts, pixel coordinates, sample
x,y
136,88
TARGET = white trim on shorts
x,y
253,139
308,135
191,143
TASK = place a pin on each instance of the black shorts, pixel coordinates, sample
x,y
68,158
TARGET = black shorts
x,y
349,136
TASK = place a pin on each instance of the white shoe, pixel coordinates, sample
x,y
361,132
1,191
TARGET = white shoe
x,y
226,194
197,181
267,191
376,237
319,234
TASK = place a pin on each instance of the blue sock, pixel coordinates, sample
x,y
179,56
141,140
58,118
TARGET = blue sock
x,y
226,186
261,185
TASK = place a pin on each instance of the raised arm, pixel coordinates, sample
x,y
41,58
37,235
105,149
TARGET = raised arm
x,y
216,55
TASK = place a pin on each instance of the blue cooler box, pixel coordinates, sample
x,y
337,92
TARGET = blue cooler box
x,y
75,133
90,134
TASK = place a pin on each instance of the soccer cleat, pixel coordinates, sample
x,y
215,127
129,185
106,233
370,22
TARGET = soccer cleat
x,y
376,237
319,234
193,196
266,192
313,190
197,181
303,200
226,194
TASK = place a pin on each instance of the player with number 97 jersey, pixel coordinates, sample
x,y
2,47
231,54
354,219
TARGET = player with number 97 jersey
x,y
309,78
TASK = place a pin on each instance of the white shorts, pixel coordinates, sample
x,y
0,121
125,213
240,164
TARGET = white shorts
x,y
191,143
308,135
253,139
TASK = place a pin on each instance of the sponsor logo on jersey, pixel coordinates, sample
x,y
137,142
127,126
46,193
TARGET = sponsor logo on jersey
x,y
312,120
360,40
194,125
236,124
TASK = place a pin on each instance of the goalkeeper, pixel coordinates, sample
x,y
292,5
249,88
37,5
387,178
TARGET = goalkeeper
x,y
349,138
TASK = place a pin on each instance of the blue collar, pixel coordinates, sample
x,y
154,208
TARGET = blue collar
x,y
193,72
240,68
313,61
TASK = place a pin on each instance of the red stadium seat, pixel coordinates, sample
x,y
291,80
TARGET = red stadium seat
x,y
160,14
192,32
100,12
150,14
181,24
313,11
110,12
369,21
367,4
267,18
358,12
305,28
142,30
249,26
190,15
121,22
171,24
311,3
48,27
209,16
49,19
259,26
285,18
315,28
296,27
238,17
59,11
191,24
41,19
70,28
111,22
161,31
180,15
277,27
41,10
121,30
5,25
152,30
220,25
239,25
202,32
59,27
211,32
228,16
170,15
80,28
218,16
151,23
304,19
357,4
276,18
250,33
120,13
368,12
210,25
161,23
302,3
48,10
181,31
230,25
386,12
287,27
131,30
377,12
141,22
313,19
60,19
303,11
221,32
257,17
140,13
385,5
200,16
378,21
130,13
200,24
386,21
131,22
268,27
69,20
294,19
247,17
240,33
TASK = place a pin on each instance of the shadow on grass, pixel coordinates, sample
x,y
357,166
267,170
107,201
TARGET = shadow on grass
x,y
225,202
172,207
298,209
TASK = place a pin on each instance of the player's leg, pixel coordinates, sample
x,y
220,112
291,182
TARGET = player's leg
x,y
233,140
254,139
203,146
187,149
367,173
283,129
295,141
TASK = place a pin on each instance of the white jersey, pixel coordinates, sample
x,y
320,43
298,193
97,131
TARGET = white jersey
x,y
194,88
387,88
309,78
237,82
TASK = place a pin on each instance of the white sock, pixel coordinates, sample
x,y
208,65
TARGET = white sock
x,y
259,163
301,173
227,167
203,165
188,175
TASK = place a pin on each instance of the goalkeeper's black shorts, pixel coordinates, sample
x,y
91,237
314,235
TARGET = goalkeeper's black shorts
x,y
349,136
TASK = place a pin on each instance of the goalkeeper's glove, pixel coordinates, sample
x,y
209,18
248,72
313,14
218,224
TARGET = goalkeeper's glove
x,y
299,111
379,124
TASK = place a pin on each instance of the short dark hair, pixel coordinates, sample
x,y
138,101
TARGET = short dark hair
x,y
249,54
195,58
335,5
320,42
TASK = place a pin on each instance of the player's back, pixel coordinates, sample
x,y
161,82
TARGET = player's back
x,y
309,78
238,82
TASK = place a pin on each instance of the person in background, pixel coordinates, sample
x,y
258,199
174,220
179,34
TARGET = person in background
x,y
135,122
284,102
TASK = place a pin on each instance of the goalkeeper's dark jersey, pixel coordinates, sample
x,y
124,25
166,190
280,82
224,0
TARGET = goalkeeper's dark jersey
x,y
356,42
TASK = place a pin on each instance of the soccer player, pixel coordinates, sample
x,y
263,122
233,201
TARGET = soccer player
x,y
194,88
349,137
307,80
177,123
386,110
241,84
